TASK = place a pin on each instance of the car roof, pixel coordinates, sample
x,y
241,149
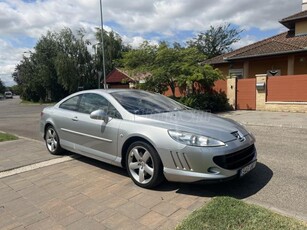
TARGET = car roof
x,y
109,91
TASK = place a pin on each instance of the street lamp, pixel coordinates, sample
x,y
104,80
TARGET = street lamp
x,y
98,72
102,48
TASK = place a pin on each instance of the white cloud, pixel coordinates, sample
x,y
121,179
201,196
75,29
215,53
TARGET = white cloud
x,y
135,20
135,42
7,80
244,41
9,55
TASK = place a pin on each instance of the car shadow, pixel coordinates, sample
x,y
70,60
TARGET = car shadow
x,y
241,188
100,164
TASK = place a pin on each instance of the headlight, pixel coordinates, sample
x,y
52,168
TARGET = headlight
x,y
194,139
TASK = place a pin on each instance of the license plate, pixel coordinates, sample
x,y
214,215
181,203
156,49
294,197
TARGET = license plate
x,y
247,168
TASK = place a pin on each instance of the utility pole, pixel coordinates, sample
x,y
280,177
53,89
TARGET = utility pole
x,y
102,50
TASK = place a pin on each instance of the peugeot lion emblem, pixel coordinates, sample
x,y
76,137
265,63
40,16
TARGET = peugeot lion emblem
x,y
239,136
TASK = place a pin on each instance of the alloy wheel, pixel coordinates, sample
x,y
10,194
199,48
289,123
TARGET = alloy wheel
x,y
141,164
52,140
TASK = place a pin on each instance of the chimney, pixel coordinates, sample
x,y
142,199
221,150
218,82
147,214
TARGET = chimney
x,y
304,5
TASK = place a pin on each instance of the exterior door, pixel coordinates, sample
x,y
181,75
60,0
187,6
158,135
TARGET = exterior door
x,y
246,94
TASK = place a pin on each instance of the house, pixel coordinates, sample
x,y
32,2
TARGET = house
x,y
118,79
283,54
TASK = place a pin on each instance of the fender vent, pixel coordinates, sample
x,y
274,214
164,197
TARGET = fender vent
x,y
181,161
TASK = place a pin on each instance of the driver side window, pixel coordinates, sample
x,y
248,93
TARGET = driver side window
x,y
91,102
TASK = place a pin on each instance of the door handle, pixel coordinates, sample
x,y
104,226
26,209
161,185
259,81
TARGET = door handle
x,y
75,118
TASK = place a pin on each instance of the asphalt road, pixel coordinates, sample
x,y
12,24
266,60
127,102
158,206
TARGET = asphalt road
x,y
20,119
278,182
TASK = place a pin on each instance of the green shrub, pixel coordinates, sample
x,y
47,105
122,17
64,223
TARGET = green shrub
x,y
210,101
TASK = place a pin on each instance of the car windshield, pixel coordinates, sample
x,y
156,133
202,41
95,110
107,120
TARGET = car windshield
x,y
143,103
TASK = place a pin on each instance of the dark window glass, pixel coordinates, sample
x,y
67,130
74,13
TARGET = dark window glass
x,y
142,103
71,104
91,102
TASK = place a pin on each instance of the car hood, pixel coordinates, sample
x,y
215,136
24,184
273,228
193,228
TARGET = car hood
x,y
195,121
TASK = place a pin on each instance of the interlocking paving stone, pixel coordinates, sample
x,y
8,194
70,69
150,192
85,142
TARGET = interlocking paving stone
x,y
152,219
133,210
21,152
86,223
105,214
119,221
146,201
54,196
165,208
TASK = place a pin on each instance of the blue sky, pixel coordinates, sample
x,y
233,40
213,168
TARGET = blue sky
x,y
22,22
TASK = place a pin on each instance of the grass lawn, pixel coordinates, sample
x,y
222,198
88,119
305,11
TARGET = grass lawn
x,y
7,137
230,213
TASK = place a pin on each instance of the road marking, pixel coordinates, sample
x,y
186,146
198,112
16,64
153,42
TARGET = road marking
x,y
31,167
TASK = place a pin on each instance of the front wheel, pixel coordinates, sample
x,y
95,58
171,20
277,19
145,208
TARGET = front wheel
x,y
52,141
144,165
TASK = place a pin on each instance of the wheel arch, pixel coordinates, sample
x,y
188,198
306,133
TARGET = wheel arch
x,y
128,142
48,124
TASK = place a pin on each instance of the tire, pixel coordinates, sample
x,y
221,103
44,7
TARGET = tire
x,y
144,165
52,141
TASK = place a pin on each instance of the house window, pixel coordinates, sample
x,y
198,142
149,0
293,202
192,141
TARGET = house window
x,y
236,73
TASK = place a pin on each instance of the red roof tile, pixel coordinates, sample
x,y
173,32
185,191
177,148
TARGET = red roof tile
x,y
281,43
293,17
120,76
290,21
117,76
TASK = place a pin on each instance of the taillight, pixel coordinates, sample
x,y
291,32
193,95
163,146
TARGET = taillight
x,y
42,113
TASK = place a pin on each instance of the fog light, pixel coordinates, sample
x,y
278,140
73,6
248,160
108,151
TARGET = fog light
x,y
214,170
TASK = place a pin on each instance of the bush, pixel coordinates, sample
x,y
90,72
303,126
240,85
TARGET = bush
x,y
210,101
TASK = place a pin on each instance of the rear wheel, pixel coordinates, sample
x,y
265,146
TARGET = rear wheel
x,y
144,165
52,141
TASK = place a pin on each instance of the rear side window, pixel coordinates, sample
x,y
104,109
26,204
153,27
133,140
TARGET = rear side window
x,y
71,103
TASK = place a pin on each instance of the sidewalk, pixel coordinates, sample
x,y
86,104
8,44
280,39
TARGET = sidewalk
x,y
268,119
81,194
22,152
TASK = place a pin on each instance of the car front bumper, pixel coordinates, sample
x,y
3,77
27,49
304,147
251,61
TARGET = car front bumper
x,y
193,164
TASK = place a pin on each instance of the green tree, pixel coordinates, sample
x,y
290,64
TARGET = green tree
x,y
73,62
216,40
59,65
200,78
46,52
169,66
15,89
2,87
113,49
26,76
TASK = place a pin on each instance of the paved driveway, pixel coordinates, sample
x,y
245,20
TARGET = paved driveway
x,y
83,193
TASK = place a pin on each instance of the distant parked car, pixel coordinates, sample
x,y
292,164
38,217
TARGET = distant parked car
x,y
8,94
154,137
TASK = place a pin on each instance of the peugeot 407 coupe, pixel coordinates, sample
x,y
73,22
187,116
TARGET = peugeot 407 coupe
x,y
152,136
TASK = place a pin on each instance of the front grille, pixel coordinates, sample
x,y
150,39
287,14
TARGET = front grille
x,y
237,159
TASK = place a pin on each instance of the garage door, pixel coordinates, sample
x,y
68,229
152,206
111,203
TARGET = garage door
x,y
246,94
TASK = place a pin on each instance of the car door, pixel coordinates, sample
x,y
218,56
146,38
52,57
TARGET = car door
x,y
96,138
64,121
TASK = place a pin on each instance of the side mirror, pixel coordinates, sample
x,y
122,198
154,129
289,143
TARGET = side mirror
x,y
99,115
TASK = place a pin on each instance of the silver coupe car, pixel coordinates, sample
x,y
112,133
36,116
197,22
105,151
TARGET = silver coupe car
x,y
154,137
